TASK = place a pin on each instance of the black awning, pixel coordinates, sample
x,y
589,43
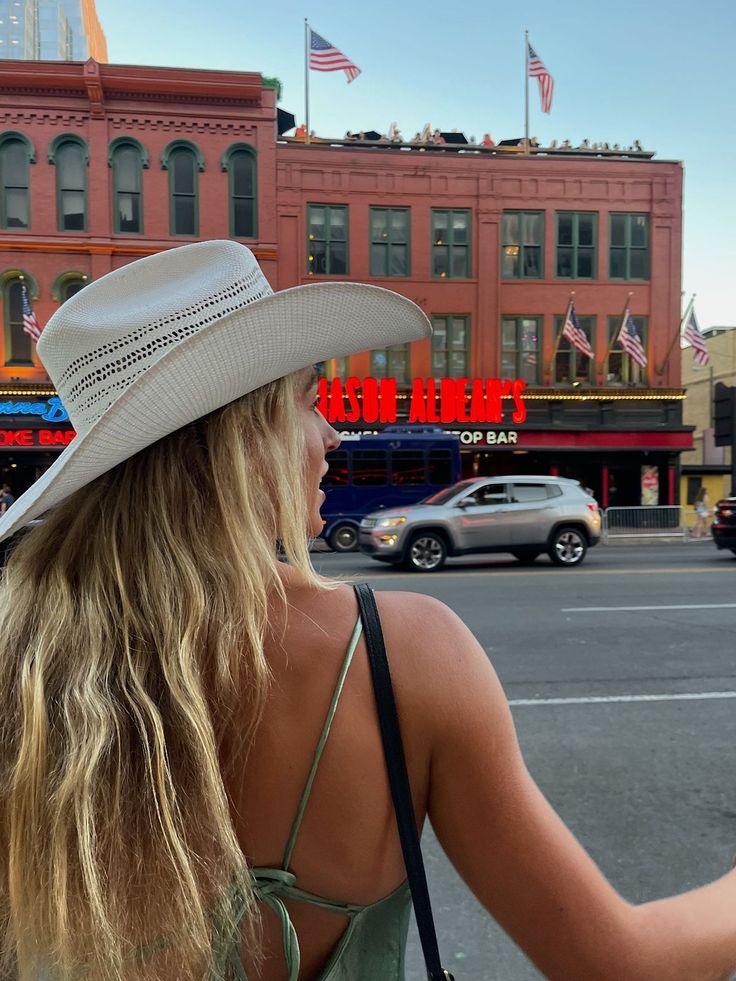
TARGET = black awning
x,y
454,137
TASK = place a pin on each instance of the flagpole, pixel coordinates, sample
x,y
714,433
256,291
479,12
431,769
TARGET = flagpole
x,y
609,352
526,91
306,76
559,333
677,335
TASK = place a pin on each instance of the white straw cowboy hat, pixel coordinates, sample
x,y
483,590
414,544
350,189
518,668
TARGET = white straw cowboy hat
x,y
165,340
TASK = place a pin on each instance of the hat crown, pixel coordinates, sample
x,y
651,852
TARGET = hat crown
x,y
107,335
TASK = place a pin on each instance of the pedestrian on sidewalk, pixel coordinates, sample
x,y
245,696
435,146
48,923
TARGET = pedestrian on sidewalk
x,y
192,778
701,514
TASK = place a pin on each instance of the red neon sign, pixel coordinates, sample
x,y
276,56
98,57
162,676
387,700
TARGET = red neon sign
x,y
29,438
451,400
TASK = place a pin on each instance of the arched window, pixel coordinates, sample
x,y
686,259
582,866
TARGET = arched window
x,y
16,152
69,154
18,344
183,160
127,159
240,162
67,284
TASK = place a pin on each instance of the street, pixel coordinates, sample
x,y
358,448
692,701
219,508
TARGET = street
x,y
622,682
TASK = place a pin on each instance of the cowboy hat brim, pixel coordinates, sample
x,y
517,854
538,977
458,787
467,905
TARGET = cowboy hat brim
x,y
256,344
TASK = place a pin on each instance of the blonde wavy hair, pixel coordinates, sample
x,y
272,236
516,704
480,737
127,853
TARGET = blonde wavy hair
x,y
132,626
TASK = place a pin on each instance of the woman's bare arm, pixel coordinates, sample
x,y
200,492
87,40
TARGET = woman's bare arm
x,y
516,854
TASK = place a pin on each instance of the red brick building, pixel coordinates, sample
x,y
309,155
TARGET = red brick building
x,y
100,164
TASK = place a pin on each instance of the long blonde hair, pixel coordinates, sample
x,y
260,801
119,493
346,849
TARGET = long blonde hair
x,y
132,625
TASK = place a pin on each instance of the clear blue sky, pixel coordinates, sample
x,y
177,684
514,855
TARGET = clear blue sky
x,y
660,72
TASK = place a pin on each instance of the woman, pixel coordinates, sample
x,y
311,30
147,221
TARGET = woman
x,y
701,514
192,782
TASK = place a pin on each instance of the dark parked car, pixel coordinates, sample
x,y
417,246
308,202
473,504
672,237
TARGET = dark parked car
x,y
723,528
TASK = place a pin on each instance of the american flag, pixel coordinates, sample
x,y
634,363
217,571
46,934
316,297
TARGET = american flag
x,y
30,324
324,57
574,333
546,84
630,341
693,335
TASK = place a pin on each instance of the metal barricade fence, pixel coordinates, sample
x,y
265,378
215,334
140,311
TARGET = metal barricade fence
x,y
650,521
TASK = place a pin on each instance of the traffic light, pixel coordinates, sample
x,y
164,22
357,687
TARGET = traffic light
x,y
724,403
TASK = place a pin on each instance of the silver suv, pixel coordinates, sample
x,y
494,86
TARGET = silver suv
x,y
521,515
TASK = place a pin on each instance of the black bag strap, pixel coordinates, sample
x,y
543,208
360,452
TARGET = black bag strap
x,y
399,780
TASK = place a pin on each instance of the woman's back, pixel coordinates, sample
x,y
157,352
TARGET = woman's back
x,y
347,848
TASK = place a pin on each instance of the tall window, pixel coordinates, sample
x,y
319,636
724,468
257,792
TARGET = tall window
x,y
450,346
70,156
241,164
577,233
391,362
70,287
327,239
337,368
629,247
18,345
15,206
570,364
522,238
183,181
127,183
390,241
621,369
521,348
450,244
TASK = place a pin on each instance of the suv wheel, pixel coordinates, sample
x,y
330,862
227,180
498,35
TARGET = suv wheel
x,y
568,547
426,553
343,538
526,556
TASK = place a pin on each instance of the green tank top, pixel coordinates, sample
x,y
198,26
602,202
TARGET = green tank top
x,y
374,943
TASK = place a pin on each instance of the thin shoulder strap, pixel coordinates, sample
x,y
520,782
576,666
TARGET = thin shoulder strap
x,y
321,744
399,780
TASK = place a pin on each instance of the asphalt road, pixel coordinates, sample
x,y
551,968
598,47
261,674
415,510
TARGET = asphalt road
x,y
622,679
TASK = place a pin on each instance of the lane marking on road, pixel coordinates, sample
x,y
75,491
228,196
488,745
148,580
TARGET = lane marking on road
x,y
603,699
630,609
499,571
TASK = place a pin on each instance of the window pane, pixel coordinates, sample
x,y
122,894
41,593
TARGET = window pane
x,y
72,211
243,218
399,260
457,364
439,226
564,262
533,229
70,164
318,257
585,229
585,263
439,333
379,223
459,228
20,342
532,261
439,364
337,475
16,208
379,260
338,258
242,166
510,229
184,216
508,364
458,332
618,264
183,171
379,364
337,223
638,264
128,213
317,222
618,229
639,226
439,261
440,466
399,226
127,169
71,288
510,265
529,492
508,334
562,366
459,261
369,467
564,229
407,467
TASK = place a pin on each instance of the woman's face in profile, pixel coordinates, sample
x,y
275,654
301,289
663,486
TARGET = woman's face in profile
x,y
319,439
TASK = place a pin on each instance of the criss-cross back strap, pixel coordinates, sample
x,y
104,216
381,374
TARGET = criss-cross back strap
x,y
289,851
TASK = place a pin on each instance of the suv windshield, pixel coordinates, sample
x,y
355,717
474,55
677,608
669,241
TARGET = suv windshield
x,y
443,496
